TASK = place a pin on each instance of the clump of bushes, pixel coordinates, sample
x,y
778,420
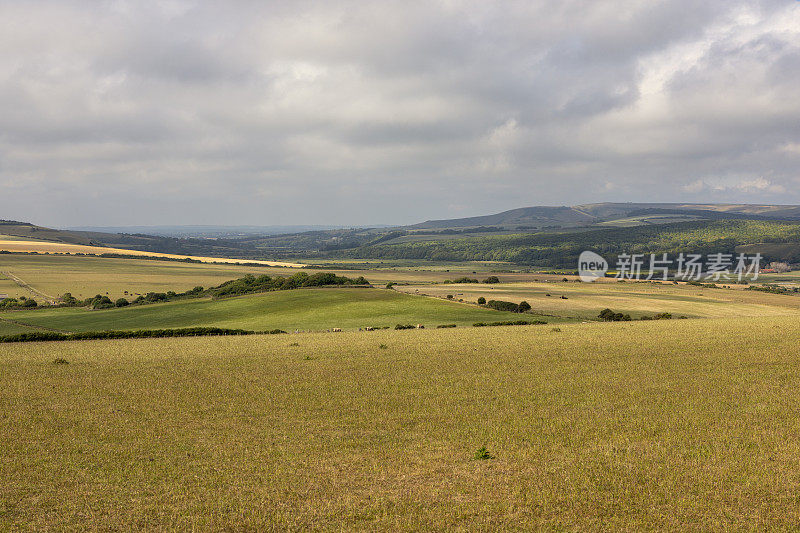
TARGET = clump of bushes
x,y
492,279
461,280
772,289
442,326
501,305
610,316
481,301
100,302
405,326
18,303
659,316
510,323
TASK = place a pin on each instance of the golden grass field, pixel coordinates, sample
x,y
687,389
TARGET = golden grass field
x,y
670,425
585,300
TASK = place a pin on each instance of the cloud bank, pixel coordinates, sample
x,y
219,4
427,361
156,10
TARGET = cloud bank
x,y
243,112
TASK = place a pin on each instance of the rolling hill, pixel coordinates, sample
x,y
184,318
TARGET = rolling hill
x,y
587,214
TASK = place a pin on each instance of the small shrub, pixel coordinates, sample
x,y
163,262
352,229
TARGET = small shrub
x,y
556,330
482,454
383,347
441,326
60,361
492,279
405,326
481,301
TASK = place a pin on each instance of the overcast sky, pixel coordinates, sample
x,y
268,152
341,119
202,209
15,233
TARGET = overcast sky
x,y
335,112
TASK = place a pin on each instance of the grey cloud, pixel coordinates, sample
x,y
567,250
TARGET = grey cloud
x,y
361,112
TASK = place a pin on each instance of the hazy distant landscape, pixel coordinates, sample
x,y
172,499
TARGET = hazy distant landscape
x,y
535,236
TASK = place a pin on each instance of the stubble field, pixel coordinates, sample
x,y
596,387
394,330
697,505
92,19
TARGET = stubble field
x,y
687,424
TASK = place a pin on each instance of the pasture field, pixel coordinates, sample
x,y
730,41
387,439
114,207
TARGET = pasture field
x,y
12,328
676,425
300,309
585,300
85,276
9,287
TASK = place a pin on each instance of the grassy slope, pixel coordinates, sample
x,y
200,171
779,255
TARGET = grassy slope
x,y
594,427
9,328
304,309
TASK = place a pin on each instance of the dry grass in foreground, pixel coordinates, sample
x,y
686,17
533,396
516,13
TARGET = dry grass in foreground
x,y
687,424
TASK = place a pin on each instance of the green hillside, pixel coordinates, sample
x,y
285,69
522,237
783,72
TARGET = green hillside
x,y
303,309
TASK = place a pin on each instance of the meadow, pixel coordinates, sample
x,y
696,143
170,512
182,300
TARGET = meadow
x,y
593,426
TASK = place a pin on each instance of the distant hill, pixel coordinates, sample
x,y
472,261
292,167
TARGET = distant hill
x,y
587,214
537,216
39,233
195,231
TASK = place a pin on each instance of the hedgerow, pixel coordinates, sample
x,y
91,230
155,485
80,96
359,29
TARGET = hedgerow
x,y
38,336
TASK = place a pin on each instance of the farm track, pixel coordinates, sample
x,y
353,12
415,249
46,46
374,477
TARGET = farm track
x,y
26,286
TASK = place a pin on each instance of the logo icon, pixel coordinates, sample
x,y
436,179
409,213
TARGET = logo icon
x,y
591,266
